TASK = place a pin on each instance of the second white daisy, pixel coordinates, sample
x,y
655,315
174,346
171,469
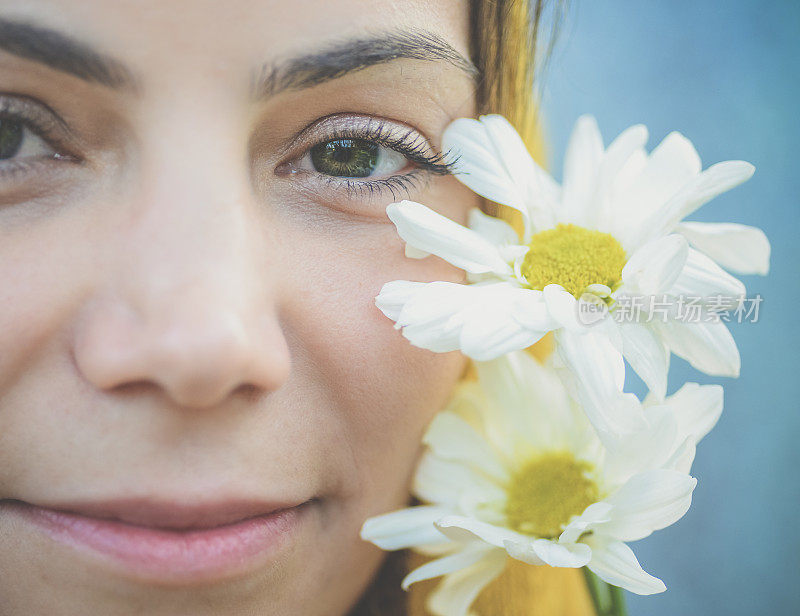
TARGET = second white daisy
x,y
515,469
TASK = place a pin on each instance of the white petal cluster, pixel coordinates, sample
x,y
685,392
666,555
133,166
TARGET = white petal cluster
x,y
518,411
555,464
638,199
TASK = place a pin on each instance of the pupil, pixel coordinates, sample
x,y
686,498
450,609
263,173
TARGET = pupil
x,y
342,154
354,158
10,138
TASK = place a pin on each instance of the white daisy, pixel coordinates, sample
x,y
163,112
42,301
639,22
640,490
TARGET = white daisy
x,y
613,231
513,468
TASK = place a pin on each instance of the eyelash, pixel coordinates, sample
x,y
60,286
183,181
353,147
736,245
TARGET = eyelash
x,y
409,143
38,121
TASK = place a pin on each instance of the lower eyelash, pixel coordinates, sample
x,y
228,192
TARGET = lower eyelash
x,y
396,184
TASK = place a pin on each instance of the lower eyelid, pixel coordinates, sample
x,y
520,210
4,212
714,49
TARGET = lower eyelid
x,y
369,192
396,186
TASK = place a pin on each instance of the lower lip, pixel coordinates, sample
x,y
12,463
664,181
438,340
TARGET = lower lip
x,y
171,555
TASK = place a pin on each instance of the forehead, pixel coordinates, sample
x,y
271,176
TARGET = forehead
x,y
227,38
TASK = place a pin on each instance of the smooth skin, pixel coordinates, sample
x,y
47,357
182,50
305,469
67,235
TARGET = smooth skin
x,y
187,309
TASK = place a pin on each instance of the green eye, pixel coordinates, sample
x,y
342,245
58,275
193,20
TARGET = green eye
x,y
10,138
352,158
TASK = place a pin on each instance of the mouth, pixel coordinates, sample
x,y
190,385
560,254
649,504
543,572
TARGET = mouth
x,y
164,542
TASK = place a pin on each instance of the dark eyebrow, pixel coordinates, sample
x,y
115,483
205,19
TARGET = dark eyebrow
x,y
66,54
353,55
62,53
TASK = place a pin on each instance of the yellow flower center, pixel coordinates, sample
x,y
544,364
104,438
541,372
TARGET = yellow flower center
x,y
544,495
573,257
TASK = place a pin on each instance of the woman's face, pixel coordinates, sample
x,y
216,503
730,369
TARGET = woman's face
x,y
188,334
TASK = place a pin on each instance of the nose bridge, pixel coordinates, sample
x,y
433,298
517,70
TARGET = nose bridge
x,y
192,305
190,239
188,236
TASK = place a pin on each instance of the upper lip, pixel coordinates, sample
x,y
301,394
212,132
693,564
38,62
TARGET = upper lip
x,y
170,514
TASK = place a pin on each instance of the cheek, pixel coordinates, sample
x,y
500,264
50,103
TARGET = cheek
x,y
39,270
383,389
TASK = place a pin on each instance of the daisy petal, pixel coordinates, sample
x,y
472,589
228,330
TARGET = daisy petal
x,y
428,311
672,164
512,382
484,321
446,483
484,337
655,266
648,501
395,294
436,550
682,458
591,516
451,438
618,153
615,563
544,551
489,160
647,355
581,165
697,408
461,528
458,590
701,277
562,306
645,449
623,146
429,232
495,230
707,346
505,318
415,253
462,559
542,192
494,162
524,552
405,528
738,248
698,191
599,377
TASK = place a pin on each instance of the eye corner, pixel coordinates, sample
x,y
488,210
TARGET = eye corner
x,y
285,169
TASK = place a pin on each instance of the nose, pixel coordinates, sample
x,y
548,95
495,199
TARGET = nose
x,y
196,343
187,300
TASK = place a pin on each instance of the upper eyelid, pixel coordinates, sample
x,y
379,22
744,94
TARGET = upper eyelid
x,y
353,123
44,122
21,106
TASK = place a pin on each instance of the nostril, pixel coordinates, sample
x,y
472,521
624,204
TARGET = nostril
x,y
248,393
134,389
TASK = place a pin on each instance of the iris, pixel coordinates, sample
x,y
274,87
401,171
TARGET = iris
x,y
354,158
10,138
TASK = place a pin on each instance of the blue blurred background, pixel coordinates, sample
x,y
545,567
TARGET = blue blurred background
x,y
726,75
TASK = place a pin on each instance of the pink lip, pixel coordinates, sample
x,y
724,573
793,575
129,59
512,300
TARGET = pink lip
x,y
170,542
